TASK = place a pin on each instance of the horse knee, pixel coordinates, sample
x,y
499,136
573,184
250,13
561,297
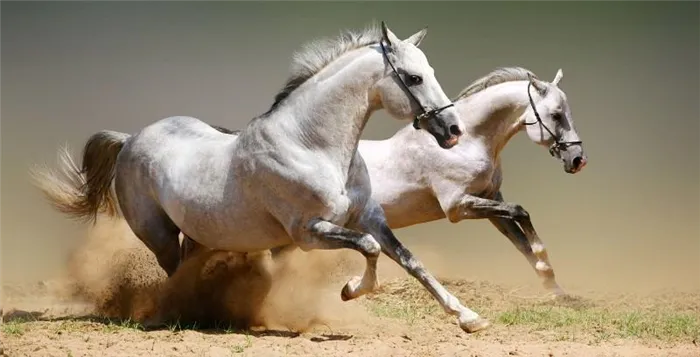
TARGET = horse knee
x,y
453,214
519,213
370,246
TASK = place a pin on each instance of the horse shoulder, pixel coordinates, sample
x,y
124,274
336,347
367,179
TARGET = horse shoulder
x,y
287,179
467,164
469,170
359,186
396,167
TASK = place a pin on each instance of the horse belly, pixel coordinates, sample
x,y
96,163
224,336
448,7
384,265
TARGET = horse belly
x,y
218,216
263,235
249,232
410,208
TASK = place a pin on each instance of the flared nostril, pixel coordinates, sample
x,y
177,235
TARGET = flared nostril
x,y
454,130
577,162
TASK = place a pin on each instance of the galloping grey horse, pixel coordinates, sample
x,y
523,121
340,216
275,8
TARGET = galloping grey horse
x,y
292,177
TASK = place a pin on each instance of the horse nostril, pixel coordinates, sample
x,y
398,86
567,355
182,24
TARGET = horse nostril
x,y
454,130
577,161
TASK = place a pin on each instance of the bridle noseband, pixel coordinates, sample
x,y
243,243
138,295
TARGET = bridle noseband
x,y
558,145
425,113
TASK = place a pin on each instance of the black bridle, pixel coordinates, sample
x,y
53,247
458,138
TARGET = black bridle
x,y
425,113
558,145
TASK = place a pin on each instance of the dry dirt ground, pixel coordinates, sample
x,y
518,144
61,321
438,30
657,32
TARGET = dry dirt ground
x,y
220,304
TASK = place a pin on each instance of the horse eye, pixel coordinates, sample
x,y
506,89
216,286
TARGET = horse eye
x,y
414,80
556,116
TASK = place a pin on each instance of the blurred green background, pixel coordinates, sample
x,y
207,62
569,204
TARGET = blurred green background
x,y
630,220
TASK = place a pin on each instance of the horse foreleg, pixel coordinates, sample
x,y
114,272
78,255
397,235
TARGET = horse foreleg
x,y
506,217
513,232
374,221
321,234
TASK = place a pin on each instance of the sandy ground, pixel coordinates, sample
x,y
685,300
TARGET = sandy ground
x,y
360,328
220,304
379,338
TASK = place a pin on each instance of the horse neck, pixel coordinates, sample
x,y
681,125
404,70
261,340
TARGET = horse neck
x,y
493,115
331,109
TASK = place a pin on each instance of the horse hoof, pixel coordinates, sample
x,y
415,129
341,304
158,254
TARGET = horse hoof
x,y
560,296
569,300
345,293
475,325
352,289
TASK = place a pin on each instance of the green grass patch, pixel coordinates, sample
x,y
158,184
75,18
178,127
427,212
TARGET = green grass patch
x,y
118,325
673,317
240,348
606,323
14,327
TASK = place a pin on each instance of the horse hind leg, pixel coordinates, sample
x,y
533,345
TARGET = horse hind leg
x,y
161,237
157,231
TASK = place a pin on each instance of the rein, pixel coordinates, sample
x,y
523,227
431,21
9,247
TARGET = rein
x,y
425,114
558,145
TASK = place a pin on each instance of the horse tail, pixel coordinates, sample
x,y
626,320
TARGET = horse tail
x,y
84,192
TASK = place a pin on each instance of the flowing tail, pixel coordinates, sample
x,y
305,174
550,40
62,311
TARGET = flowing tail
x,y
84,192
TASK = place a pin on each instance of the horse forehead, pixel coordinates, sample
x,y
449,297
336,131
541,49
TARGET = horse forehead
x,y
415,58
556,100
564,104
560,96
560,101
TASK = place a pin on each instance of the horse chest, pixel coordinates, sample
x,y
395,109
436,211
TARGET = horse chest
x,y
343,202
322,188
479,175
487,183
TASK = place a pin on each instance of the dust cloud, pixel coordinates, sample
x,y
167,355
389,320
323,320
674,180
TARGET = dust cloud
x,y
116,274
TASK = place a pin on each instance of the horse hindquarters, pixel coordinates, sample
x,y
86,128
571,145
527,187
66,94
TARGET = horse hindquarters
x,y
144,214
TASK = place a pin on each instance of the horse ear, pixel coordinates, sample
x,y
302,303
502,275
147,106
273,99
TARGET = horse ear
x,y
389,36
417,37
558,77
539,86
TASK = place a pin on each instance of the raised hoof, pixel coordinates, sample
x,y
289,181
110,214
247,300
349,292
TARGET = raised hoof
x,y
476,325
345,293
352,289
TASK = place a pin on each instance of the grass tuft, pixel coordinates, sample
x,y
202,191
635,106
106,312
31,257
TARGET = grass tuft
x,y
240,348
570,319
606,323
13,327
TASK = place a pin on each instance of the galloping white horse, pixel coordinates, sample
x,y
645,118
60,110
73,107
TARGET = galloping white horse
x,y
292,177
415,181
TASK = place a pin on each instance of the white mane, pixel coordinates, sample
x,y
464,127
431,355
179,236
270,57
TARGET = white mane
x,y
497,76
316,55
